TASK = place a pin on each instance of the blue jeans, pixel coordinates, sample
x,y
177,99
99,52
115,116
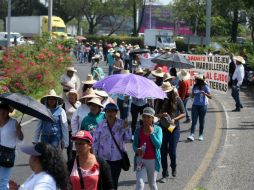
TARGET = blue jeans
x,y
169,144
235,94
5,174
81,57
198,111
54,140
110,70
185,101
123,110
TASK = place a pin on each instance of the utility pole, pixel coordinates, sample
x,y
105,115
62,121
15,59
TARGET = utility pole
x,y
150,14
50,10
208,21
9,23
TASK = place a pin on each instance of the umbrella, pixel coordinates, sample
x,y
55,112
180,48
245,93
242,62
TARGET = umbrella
x,y
139,51
130,84
27,105
80,38
173,60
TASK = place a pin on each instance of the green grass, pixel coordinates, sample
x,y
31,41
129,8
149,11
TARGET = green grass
x,y
199,188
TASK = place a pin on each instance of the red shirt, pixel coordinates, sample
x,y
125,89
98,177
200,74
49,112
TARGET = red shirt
x,y
90,177
150,150
183,90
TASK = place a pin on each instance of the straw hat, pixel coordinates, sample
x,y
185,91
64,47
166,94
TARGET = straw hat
x,y
167,76
114,44
52,93
139,70
96,56
183,75
167,48
89,93
158,72
239,59
71,69
96,101
125,72
101,93
117,54
136,47
200,77
73,91
167,87
89,80
111,50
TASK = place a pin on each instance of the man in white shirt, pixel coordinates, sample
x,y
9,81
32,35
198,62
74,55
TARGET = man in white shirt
x,y
237,79
69,81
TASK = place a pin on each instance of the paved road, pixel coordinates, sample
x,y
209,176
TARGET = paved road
x,y
196,161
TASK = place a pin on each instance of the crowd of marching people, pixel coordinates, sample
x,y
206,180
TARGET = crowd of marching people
x,y
94,126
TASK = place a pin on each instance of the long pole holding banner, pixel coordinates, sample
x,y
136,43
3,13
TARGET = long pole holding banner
x,y
208,21
9,23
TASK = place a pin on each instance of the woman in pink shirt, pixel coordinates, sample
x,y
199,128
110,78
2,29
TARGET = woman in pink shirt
x,y
87,170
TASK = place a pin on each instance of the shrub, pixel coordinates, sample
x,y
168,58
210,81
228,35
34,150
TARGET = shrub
x,y
33,70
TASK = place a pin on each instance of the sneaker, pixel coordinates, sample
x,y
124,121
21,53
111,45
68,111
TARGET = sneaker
x,y
187,121
191,137
200,138
164,180
174,172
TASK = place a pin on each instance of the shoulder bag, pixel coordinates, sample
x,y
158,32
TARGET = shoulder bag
x,y
125,159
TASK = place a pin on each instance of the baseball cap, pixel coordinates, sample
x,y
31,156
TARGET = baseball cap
x,y
111,106
83,135
149,111
30,150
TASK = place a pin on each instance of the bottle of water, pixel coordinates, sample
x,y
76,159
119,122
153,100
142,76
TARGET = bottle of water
x,y
139,161
201,96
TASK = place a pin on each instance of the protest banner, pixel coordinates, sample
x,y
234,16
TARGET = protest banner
x,y
214,68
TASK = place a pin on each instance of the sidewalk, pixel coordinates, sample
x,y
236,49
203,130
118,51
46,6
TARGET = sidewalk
x,y
234,167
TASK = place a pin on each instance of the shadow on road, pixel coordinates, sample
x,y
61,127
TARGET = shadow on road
x,y
127,183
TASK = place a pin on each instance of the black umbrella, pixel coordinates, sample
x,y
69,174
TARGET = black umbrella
x,y
173,60
27,105
139,51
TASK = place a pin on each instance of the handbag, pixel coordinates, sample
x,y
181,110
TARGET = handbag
x,y
166,122
125,158
7,156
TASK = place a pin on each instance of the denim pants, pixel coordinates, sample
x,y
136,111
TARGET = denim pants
x,y
54,140
5,174
168,147
81,57
198,111
135,111
110,70
123,110
115,167
236,95
149,169
185,102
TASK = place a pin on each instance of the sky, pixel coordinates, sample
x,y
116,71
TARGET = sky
x,y
165,2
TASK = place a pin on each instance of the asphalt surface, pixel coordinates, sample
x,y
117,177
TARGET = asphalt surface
x,y
215,163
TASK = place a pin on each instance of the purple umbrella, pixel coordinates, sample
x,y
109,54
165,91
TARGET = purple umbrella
x,y
130,84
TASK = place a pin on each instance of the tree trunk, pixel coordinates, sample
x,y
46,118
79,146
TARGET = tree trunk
x,y
135,32
252,34
78,26
91,27
234,26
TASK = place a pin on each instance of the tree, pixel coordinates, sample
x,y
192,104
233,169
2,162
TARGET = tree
x,y
27,8
3,10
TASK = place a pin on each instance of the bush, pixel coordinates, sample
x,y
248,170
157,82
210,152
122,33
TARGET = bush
x,y
33,70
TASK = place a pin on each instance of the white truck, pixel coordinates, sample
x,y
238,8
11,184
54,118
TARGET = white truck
x,y
157,38
30,26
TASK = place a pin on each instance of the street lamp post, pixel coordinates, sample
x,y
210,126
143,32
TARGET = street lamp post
x,y
9,23
150,14
50,10
208,21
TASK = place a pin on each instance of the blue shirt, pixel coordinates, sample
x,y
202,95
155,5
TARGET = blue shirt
x,y
199,98
139,102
